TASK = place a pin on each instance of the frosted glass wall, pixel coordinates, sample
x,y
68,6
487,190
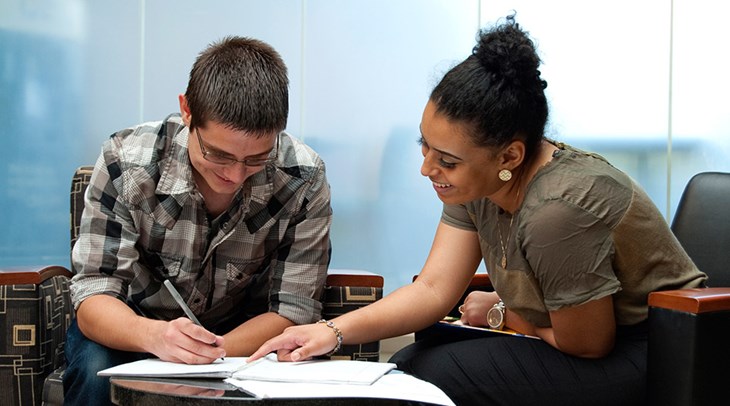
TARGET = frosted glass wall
x,y
700,109
369,67
72,72
607,67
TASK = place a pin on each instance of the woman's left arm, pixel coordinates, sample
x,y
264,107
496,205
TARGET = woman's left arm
x,y
587,330
571,251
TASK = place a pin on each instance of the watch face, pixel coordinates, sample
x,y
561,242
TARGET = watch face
x,y
494,318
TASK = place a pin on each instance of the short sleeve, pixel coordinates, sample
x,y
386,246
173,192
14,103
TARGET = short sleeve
x,y
570,251
457,215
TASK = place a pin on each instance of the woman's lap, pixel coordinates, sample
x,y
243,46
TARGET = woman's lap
x,y
522,371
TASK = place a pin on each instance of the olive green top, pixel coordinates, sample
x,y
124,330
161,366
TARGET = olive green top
x,y
585,230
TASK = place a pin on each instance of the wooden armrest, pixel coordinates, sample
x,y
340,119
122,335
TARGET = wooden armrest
x,y
31,274
353,277
698,300
480,280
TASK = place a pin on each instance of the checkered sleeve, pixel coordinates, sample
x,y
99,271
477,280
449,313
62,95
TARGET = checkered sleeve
x,y
104,253
300,268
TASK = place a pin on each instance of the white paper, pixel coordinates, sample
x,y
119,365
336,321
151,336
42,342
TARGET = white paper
x,y
267,369
394,385
156,367
321,371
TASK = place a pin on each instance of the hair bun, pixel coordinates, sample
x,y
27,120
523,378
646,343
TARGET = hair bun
x,y
508,54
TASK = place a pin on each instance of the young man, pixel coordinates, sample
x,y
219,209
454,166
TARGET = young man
x,y
219,201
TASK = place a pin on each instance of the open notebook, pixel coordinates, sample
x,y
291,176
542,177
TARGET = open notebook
x,y
264,369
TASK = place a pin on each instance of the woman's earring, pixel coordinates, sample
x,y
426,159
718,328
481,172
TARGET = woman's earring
x,y
505,175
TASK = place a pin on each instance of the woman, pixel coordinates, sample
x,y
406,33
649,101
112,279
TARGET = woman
x,y
572,245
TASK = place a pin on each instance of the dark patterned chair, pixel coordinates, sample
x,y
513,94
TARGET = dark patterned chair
x,y
35,311
689,329
34,315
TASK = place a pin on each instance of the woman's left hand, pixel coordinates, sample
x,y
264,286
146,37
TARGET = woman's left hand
x,y
475,307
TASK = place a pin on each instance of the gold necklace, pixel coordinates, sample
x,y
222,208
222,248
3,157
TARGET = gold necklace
x,y
509,233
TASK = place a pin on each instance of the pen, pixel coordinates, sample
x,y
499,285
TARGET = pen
x,y
181,303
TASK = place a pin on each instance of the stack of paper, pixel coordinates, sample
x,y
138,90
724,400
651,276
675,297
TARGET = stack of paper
x,y
393,385
315,371
264,369
268,378
154,367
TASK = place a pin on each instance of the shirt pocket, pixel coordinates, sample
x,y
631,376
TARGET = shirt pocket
x,y
239,273
247,291
161,265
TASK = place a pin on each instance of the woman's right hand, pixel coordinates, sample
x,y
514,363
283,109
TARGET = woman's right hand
x,y
477,304
299,343
475,307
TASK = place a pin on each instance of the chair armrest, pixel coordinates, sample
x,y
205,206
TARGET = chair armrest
x,y
31,274
353,277
36,312
347,290
480,281
688,353
698,300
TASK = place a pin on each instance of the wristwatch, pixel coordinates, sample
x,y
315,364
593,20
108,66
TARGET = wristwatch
x,y
495,316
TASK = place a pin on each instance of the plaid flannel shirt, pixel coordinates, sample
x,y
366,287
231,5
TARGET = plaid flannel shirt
x,y
144,221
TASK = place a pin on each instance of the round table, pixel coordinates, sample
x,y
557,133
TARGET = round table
x,y
164,392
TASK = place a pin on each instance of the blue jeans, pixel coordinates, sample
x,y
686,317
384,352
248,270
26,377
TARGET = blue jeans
x,y
84,358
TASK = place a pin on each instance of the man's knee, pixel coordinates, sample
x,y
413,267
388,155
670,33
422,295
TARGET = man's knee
x,y
84,358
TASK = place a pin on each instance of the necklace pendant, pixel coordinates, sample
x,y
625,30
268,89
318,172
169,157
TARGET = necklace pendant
x,y
504,261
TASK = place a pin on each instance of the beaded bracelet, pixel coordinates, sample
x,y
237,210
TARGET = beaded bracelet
x,y
338,335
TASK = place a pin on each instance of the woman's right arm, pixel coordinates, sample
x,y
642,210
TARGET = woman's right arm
x,y
454,257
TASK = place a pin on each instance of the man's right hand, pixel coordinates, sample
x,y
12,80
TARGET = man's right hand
x,y
110,322
186,342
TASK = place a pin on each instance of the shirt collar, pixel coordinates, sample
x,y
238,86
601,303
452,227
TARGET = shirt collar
x,y
176,172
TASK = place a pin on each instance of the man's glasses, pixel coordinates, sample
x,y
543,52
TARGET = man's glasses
x,y
226,160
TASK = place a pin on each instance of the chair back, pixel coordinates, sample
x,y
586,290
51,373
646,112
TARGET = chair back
x,y
79,183
702,225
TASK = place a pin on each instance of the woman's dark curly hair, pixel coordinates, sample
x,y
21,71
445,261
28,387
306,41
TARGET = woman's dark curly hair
x,y
497,91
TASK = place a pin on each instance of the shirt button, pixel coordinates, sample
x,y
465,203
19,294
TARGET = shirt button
x,y
197,300
239,276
